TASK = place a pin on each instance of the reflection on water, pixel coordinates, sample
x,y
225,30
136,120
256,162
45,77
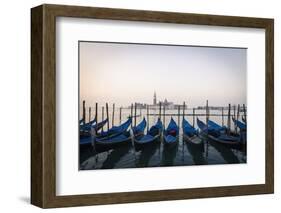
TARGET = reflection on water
x,y
114,157
168,155
197,153
146,155
226,153
155,155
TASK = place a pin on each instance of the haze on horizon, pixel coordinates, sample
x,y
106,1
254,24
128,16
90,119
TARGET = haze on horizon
x,y
124,73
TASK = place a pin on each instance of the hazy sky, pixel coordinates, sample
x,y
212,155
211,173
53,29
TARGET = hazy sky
x,y
128,73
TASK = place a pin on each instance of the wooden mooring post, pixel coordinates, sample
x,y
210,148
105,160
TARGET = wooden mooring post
x,y
90,108
179,108
96,115
102,115
147,116
207,119
164,117
183,110
238,112
245,113
228,118
160,110
222,117
234,117
237,117
234,111
84,112
113,111
107,115
207,112
193,116
132,115
135,117
120,115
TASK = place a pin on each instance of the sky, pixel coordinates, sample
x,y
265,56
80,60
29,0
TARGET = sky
x,y
124,73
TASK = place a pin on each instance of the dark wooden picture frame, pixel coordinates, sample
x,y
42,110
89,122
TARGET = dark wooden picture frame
x,y
43,105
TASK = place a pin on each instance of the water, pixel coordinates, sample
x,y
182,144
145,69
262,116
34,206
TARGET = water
x,y
185,153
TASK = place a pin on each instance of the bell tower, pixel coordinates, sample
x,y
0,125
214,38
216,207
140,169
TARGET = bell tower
x,y
154,99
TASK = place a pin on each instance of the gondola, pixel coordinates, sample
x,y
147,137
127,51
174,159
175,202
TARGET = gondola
x,y
86,133
242,129
190,134
114,131
86,140
81,121
242,126
114,137
124,138
171,134
217,134
153,135
139,129
216,128
86,126
86,130
213,126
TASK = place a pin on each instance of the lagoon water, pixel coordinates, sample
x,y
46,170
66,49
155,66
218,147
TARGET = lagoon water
x,y
185,153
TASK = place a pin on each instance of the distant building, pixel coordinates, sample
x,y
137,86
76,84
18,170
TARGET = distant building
x,y
166,103
177,106
140,105
155,105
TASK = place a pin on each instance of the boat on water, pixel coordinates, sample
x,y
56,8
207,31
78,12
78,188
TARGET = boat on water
x,y
114,137
114,131
81,121
213,126
242,129
112,142
242,126
98,126
139,129
88,130
153,135
86,140
171,134
86,126
190,134
218,134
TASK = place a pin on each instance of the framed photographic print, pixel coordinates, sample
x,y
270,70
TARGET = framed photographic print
x,y
136,106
